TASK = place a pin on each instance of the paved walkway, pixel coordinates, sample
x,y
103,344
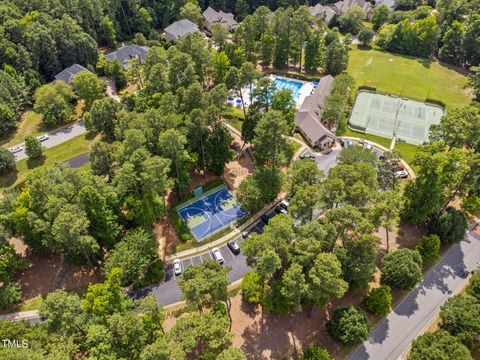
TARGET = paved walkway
x,y
31,316
392,338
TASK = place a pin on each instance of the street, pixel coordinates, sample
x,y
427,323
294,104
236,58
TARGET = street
x,y
56,137
393,336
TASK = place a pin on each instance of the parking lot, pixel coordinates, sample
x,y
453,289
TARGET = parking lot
x,y
169,292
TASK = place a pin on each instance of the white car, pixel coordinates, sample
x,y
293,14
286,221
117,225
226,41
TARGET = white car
x,y
177,267
217,256
401,174
284,204
16,149
43,137
368,147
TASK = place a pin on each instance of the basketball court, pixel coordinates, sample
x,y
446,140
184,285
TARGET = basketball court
x,y
389,115
210,213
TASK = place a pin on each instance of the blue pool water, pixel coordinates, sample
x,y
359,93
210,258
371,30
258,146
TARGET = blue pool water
x,y
293,86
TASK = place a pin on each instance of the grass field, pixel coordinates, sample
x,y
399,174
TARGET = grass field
x,y
63,152
31,124
415,78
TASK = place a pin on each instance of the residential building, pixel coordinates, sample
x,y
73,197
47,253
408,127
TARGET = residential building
x,y
212,17
308,117
126,53
66,75
330,12
176,30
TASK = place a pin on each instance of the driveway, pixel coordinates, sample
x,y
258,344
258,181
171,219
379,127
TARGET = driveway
x,y
393,336
57,137
168,292
326,162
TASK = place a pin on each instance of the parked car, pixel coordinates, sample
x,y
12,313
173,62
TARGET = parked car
x,y
177,267
327,151
307,155
400,167
245,234
233,246
349,143
217,255
368,147
280,210
266,217
43,137
16,149
285,204
401,174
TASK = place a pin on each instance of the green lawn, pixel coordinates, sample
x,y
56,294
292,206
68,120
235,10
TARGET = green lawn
x,y
407,150
63,152
31,124
415,78
236,123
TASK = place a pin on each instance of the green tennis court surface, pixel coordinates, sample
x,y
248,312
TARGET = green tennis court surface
x,y
386,115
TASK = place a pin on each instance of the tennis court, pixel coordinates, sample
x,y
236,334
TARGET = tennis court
x,y
389,115
211,213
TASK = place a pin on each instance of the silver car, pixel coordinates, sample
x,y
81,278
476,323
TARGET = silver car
x,y
16,149
217,255
177,267
43,137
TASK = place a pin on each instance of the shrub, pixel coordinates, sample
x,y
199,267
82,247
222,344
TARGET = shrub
x,y
438,345
349,325
379,300
473,287
10,295
402,269
315,353
429,247
154,275
252,287
33,147
179,225
450,226
7,161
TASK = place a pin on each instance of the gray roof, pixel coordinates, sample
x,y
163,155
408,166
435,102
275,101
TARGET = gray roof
x,y
181,28
67,74
325,11
308,117
344,5
213,16
126,53
389,3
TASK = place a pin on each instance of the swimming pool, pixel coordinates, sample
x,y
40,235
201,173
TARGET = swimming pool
x,y
292,85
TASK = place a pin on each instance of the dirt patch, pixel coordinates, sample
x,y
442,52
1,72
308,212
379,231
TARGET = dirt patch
x,y
405,236
237,170
166,237
44,273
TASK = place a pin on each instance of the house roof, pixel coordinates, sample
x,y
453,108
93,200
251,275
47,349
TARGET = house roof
x,y
213,16
326,11
307,119
125,53
67,74
181,28
344,5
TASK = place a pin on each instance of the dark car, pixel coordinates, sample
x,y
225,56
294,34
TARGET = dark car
x,y
307,155
327,151
233,246
266,217
281,210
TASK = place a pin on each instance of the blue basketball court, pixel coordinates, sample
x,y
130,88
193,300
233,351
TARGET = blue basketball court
x,y
211,213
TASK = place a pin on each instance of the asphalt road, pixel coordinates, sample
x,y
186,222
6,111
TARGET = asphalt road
x,y
57,137
326,162
393,336
168,292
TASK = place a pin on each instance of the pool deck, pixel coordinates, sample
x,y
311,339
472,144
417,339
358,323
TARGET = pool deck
x,y
304,91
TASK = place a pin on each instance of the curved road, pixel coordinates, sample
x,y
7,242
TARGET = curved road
x,y
393,336
56,137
